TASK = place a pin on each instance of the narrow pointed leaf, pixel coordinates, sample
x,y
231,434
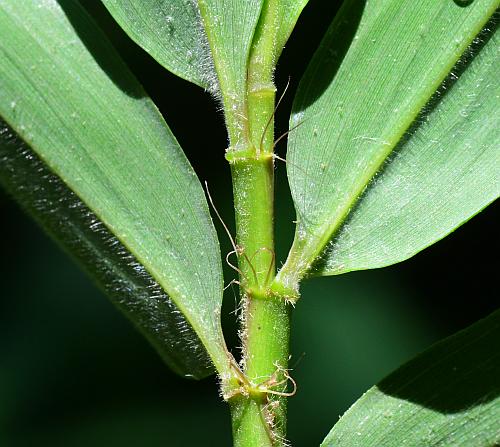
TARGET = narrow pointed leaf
x,y
108,154
357,165
171,32
443,173
129,286
447,396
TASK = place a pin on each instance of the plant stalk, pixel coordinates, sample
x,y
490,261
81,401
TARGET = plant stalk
x,y
259,417
258,410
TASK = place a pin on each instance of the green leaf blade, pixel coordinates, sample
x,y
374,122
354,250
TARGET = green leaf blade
x,y
447,396
172,33
67,94
445,173
355,111
289,12
230,27
78,230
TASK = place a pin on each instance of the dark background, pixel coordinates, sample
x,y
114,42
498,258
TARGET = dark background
x,y
74,372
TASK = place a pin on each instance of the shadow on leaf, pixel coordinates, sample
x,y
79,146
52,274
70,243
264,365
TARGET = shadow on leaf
x,y
100,48
320,73
456,374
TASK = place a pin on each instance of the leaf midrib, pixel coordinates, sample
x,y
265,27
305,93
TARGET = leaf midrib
x,y
307,253
154,272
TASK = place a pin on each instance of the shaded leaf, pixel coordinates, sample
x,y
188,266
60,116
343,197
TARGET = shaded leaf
x,y
67,95
358,174
447,396
171,32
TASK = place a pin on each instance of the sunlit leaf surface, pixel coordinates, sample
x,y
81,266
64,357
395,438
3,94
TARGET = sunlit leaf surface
x,y
376,174
105,150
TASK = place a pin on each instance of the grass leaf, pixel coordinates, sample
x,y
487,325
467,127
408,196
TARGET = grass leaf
x,y
230,27
67,95
289,12
171,32
373,181
447,396
443,172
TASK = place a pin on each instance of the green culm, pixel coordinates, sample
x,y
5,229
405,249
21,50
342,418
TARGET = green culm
x,y
393,144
